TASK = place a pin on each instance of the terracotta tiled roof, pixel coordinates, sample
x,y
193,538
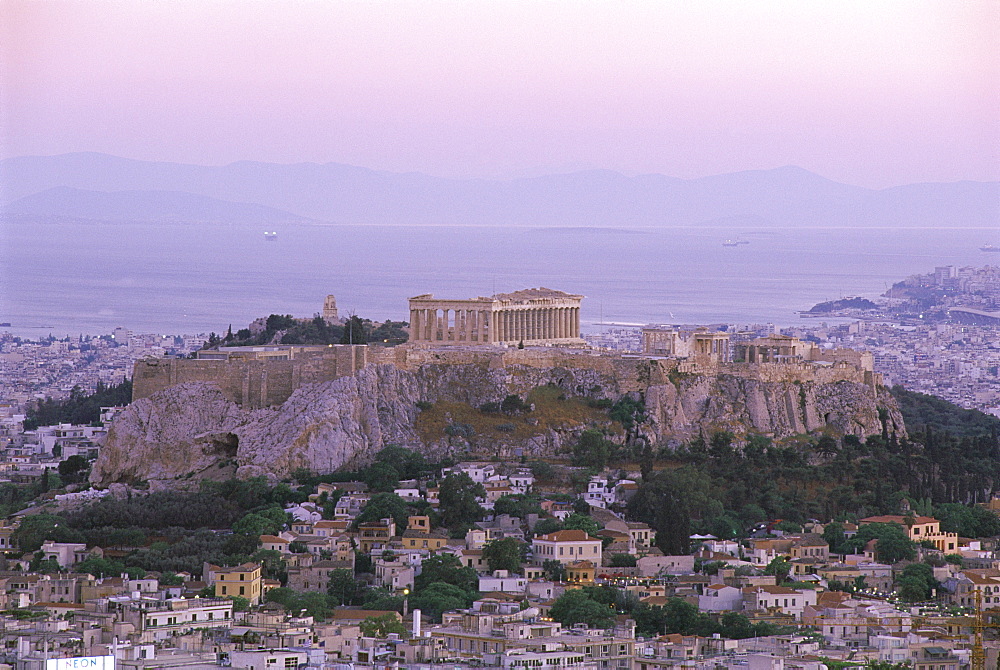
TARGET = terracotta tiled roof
x,y
566,536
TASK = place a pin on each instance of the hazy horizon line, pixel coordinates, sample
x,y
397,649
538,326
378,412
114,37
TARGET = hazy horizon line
x,y
510,177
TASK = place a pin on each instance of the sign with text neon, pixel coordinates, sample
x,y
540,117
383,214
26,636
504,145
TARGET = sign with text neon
x,y
81,663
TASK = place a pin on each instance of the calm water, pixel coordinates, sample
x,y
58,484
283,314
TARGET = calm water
x,y
90,278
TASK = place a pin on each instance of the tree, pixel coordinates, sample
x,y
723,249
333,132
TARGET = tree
x,y
410,464
576,606
592,449
518,504
382,477
381,599
503,554
343,588
580,522
240,604
833,534
779,567
259,523
917,583
630,413
623,561
554,570
513,404
893,544
381,626
546,526
171,579
441,597
669,502
34,529
384,506
967,521
354,331
446,569
73,469
458,500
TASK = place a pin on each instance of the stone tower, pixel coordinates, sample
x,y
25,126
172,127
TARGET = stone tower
x,y
330,309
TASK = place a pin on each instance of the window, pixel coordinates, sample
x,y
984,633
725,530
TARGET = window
x,y
242,589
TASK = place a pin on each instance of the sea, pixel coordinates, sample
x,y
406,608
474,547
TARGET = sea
x,y
89,278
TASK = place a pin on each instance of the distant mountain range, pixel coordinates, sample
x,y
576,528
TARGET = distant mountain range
x,y
101,187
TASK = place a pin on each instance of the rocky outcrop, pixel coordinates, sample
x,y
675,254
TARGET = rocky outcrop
x,y
703,404
190,427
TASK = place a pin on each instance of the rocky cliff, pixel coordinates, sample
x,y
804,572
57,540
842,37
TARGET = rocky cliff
x,y
189,428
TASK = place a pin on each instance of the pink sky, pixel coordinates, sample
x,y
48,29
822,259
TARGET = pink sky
x,y
866,92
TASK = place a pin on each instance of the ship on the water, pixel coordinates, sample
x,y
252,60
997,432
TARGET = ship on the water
x,y
989,247
270,235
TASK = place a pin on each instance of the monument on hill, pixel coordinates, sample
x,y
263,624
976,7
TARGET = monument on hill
x,y
330,309
531,316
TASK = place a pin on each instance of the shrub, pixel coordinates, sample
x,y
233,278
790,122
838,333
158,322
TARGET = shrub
x,y
459,430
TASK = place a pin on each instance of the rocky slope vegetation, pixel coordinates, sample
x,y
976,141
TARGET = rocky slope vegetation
x,y
189,428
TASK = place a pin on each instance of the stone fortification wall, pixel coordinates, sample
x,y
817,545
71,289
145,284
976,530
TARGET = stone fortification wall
x,y
799,372
374,398
246,380
262,382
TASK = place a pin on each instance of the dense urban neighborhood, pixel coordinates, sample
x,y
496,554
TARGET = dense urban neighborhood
x,y
474,564
596,549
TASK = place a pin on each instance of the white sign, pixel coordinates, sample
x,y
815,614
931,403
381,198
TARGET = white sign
x,y
81,663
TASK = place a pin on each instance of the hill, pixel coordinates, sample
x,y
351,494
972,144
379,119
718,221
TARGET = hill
x,y
921,411
148,206
784,197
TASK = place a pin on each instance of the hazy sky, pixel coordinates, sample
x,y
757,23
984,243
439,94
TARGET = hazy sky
x,y
867,92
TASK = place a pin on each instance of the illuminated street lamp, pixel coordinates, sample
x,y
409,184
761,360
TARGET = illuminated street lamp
x,y
406,600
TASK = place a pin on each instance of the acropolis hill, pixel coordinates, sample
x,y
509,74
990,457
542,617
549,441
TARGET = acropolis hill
x,y
273,409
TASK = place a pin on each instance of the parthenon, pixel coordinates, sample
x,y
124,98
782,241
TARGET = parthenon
x,y
531,316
